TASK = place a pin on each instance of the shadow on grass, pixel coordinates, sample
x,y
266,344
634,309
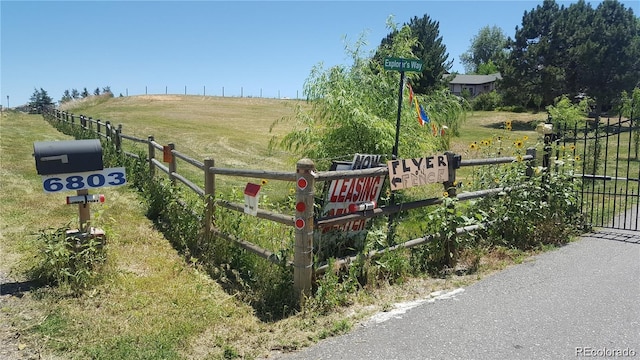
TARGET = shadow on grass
x,y
516,125
18,288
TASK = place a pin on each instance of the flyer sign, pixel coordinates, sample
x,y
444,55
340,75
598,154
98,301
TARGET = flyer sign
x,y
407,173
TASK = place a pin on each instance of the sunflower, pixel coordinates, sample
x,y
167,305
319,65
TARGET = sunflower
x,y
263,182
445,194
507,125
519,144
473,146
519,158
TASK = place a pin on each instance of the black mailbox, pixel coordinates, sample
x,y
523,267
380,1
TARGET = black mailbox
x,y
66,157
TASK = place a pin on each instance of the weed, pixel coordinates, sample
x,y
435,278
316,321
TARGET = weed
x,y
69,260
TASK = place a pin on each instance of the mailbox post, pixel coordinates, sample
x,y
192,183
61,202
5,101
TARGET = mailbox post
x,y
76,165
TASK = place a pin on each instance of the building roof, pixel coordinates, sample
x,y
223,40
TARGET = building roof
x,y
475,79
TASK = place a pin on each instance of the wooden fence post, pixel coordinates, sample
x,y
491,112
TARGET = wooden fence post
x,y
118,141
303,252
98,126
209,197
451,247
173,164
449,186
152,155
107,130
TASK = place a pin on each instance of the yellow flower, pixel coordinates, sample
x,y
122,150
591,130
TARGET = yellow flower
x,y
292,191
519,158
519,144
445,194
562,147
496,180
507,125
263,182
473,146
525,138
577,157
572,147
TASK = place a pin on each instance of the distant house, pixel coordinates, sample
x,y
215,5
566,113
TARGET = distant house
x,y
475,84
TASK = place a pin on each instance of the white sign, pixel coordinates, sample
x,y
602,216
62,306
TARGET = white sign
x,y
406,173
343,193
84,180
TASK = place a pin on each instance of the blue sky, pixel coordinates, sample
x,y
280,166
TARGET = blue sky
x,y
249,48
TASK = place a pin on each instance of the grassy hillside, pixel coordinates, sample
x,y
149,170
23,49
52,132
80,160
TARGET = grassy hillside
x,y
152,303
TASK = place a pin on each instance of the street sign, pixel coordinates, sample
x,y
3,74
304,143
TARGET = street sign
x,y
404,65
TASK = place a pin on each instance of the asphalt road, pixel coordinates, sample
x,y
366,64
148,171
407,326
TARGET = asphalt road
x,y
579,301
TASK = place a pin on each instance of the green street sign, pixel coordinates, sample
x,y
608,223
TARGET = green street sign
x,y
400,64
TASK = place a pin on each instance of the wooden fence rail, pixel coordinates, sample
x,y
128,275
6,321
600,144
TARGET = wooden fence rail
x,y
305,177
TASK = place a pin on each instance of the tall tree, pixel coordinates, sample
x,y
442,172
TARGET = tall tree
x,y
571,51
531,74
66,96
40,100
609,63
429,48
488,46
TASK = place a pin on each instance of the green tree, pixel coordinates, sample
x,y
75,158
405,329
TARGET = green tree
x,y
75,94
488,47
487,68
609,59
40,100
66,97
96,92
532,67
571,51
85,93
353,109
566,113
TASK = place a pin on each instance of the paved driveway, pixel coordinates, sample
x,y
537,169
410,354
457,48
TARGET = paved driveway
x,y
579,301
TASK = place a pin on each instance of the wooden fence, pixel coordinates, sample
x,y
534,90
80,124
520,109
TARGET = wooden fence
x,y
305,176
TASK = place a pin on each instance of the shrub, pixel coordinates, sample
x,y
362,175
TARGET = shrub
x,y
69,260
487,101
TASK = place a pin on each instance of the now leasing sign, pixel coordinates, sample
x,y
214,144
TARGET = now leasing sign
x,y
341,193
406,173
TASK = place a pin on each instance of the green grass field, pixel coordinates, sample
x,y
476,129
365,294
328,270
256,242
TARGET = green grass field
x,y
154,304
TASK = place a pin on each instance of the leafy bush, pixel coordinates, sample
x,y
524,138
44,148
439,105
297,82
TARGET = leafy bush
x,y
69,260
487,101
